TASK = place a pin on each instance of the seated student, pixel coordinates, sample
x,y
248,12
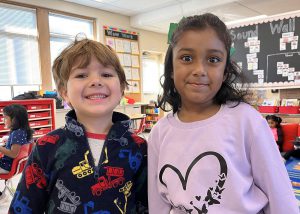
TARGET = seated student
x,y
16,120
274,123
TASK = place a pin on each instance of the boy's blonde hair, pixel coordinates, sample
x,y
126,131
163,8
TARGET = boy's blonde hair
x,y
83,51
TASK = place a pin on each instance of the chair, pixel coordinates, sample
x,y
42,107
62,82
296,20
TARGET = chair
x,y
17,167
141,127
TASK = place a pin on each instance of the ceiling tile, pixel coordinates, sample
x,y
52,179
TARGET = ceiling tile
x,y
272,7
142,6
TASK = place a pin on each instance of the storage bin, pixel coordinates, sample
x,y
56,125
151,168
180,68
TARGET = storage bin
x,y
38,115
268,109
39,123
289,109
36,107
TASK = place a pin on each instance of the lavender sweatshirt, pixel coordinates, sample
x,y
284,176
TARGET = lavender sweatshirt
x,y
228,163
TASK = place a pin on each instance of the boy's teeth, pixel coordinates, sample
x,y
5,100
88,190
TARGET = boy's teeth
x,y
96,96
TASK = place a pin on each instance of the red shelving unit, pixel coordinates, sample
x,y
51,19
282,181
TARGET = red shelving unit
x,y
41,114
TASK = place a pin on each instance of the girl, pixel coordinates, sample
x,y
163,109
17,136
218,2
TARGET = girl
x,y
274,123
16,120
208,156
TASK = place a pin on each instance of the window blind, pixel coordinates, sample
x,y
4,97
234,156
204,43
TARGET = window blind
x,y
19,54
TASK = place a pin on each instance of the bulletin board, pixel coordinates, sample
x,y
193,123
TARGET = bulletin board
x,y
268,51
126,45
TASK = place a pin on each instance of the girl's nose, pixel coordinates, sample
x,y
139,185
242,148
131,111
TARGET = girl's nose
x,y
199,69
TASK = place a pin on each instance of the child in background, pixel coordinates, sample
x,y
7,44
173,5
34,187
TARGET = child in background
x,y
209,155
16,120
94,163
274,123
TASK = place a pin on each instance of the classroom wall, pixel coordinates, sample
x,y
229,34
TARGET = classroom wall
x,y
150,41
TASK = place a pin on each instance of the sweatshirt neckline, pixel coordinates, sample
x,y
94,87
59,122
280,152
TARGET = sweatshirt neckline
x,y
189,125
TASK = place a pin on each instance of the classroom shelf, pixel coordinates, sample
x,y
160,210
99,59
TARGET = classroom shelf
x,y
41,114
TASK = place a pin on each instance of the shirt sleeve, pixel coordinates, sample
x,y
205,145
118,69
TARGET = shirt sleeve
x,y
31,195
269,172
156,202
18,137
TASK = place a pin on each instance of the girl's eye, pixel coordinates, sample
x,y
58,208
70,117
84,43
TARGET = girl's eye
x,y
187,58
214,59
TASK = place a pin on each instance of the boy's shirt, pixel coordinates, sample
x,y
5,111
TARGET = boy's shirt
x,y
61,176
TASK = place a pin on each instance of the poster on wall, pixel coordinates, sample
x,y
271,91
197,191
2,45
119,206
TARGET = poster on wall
x,y
268,51
126,45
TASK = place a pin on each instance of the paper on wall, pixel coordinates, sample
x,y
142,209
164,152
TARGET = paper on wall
x,y
126,46
135,48
119,45
127,73
111,42
135,74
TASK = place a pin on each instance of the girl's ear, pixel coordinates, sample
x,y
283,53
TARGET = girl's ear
x,y
172,75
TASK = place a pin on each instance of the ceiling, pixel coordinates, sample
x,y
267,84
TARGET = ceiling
x,y
156,15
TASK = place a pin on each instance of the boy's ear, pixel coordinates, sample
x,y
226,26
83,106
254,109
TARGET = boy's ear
x,y
63,94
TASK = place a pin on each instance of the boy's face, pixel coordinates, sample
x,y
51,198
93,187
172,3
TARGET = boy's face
x,y
199,60
93,91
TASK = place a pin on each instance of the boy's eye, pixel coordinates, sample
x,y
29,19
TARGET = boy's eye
x,y
107,75
187,58
214,59
80,76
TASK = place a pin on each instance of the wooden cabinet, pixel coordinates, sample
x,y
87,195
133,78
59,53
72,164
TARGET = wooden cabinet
x,y
41,115
152,116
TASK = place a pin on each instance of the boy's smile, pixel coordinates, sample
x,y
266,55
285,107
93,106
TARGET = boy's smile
x,y
93,91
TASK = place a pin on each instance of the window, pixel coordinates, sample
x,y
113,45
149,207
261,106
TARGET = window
x,y
152,71
19,54
63,30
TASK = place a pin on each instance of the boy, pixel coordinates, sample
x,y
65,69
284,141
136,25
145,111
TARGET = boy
x,y
95,163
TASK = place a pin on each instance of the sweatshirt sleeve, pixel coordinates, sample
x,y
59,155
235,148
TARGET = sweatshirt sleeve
x,y
141,181
156,202
269,172
31,194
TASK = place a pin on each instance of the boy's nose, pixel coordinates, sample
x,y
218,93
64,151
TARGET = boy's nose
x,y
96,82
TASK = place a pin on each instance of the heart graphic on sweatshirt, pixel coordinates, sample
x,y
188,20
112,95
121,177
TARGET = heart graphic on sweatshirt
x,y
213,193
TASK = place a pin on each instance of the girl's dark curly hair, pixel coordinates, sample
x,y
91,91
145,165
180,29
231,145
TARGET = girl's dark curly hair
x,y
229,91
276,119
19,118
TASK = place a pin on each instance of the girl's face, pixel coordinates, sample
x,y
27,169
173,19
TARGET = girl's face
x,y
7,121
199,60
272,123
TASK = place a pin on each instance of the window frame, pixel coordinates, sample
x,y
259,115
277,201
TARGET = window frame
x,y
44,38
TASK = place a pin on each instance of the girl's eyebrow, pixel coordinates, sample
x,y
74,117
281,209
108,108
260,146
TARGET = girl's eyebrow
x,y
210,50
216,51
